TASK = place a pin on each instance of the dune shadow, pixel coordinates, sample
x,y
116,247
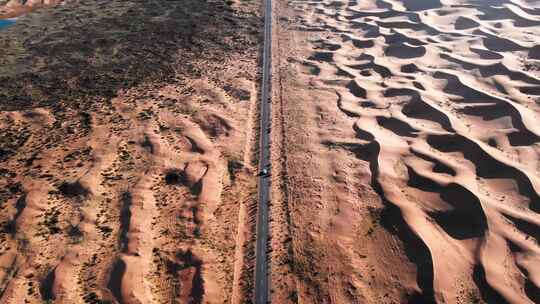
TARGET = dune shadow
x,y
46,286
421,5
126,200
396,126
415,250
405,51
115,280
73,189
188,268
356,90
438,166
465,219
392,220
521,137
322,56
489,295
417,107
486,165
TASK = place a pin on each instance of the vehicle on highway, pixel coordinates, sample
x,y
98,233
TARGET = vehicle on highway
x,y
264,172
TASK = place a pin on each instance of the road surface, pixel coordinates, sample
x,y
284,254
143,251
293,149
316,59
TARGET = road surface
x,y
261,261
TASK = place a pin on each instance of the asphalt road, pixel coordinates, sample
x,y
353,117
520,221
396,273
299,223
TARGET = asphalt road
x,y
261,261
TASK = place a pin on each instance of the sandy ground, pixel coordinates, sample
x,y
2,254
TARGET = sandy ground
x,y
126,152
15,8
406,151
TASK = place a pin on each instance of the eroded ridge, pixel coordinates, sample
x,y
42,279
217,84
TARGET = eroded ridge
x,y
420,122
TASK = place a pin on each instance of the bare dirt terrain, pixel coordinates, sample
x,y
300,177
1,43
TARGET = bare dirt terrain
x,y
127,152
14,8
406,151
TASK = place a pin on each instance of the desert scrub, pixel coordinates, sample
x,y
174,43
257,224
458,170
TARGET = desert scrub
x,y
49,224
12,139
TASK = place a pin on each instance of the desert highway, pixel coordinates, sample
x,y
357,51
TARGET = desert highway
x,y
261,262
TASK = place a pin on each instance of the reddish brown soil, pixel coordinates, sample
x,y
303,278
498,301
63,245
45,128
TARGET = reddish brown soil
x,y
126,152
407,152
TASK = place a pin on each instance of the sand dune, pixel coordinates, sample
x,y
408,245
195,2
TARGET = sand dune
x,y
413,151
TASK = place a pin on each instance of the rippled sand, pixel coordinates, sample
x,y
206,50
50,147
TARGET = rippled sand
x,y
410,149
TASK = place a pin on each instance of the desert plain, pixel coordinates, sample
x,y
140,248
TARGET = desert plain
x,y
405,144
126,151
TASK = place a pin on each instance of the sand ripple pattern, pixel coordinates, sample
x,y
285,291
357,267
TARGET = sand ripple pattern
x,y
445,99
